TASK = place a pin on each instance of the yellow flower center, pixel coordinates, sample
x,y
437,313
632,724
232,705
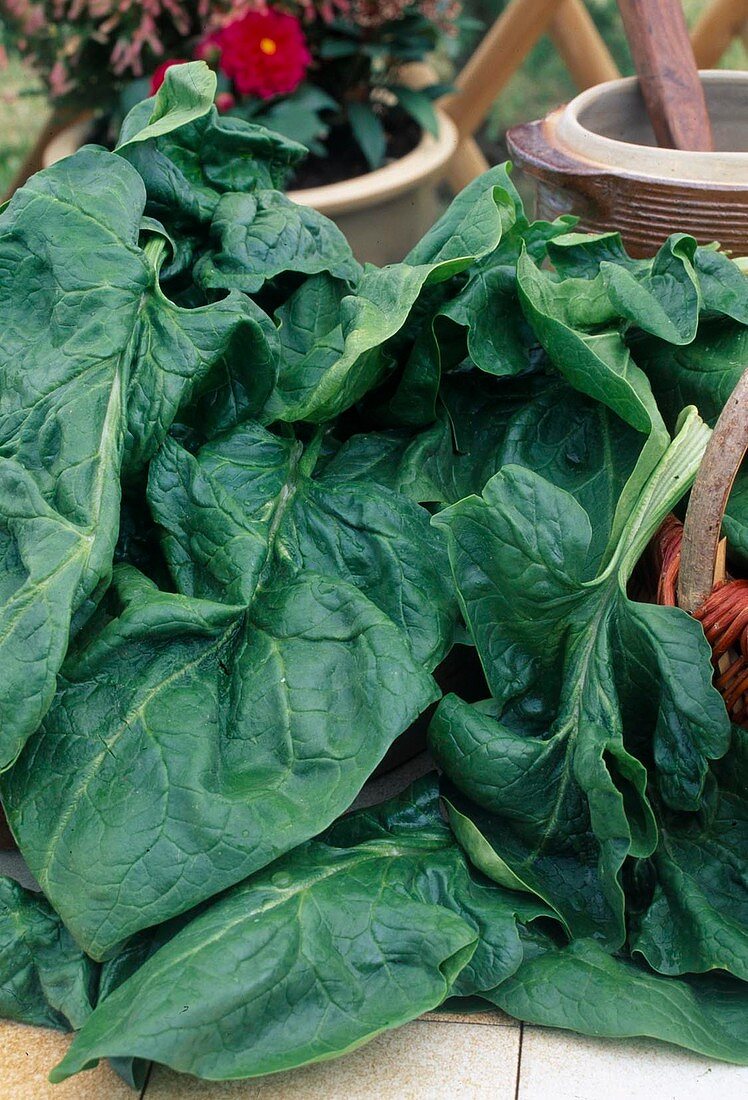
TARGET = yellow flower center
x,y
268,46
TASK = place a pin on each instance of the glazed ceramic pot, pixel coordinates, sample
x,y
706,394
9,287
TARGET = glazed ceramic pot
x,y
382,213
597,158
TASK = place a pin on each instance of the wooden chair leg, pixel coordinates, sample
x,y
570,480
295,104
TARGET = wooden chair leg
x,y
502,52
496,60
718,25
581,46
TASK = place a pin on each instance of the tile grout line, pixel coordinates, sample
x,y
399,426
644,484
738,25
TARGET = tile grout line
x,y
147,1081
519,1059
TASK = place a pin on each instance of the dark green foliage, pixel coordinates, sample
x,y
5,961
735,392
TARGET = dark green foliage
x,y
252,495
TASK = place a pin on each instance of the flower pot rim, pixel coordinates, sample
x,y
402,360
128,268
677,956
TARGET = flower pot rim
x,y
427,160
417,167
646,161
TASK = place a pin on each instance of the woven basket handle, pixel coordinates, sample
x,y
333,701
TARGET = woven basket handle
x,y
709,496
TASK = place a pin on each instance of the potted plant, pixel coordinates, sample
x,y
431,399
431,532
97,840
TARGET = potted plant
x,y
346,78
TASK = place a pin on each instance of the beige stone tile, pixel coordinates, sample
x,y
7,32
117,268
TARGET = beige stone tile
x,y
565,1066
27,1054
421,1061
490,1016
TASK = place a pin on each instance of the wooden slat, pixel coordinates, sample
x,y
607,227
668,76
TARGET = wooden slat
x,y
581,46
496,60
668,77
715,29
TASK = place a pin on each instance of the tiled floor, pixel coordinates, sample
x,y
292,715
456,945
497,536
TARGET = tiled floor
x,y
435,1058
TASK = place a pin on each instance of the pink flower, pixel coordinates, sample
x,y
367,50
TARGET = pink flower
x,y
158,77
224,102
264,53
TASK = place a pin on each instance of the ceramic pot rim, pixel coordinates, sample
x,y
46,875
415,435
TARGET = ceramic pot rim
x,y
422,164
646,161
429,158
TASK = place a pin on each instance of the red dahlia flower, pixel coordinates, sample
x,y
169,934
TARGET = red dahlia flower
x,y
264,53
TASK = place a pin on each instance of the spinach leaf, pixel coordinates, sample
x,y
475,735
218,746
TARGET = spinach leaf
x,y
250,503
347,936
96,363
238,733
336,344
572,318
582,988
258,236
186,94
697,918
45,979
551,799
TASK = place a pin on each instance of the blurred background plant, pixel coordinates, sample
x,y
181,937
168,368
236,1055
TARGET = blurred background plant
x,y
318,71
355,35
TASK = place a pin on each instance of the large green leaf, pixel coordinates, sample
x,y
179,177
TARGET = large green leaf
x,y
45,978
258,236
186,95
236,734
536,422
550,795
340,940
250,503
334,341
697,918
486,221
574,321
187,169
94,365
475,221
582,988
664,294
661,295
704,374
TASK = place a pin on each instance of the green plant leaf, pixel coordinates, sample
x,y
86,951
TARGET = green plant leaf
x,y
186,171
333,342
474,222
572,320
545,774
45,979
535,422
237,734
258,236
255,498
368,132
91,384
582,988
186,95
697,917
418,104
342,939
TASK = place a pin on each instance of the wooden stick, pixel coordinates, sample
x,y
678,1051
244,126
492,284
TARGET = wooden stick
x,y
496,60
661,49
466,165
581,46
715,29
709,496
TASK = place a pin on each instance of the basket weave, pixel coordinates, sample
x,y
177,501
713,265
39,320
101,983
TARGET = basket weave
x,y
690,557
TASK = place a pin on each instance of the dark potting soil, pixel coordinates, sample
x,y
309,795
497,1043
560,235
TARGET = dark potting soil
x,y
345,161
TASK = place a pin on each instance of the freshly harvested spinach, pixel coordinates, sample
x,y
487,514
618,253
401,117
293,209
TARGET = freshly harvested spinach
x,y
253,493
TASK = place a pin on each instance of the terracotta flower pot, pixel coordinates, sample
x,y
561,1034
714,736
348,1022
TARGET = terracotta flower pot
x,y
382,213
598,158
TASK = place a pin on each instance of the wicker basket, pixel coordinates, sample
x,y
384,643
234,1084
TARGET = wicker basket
x,y
690,558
